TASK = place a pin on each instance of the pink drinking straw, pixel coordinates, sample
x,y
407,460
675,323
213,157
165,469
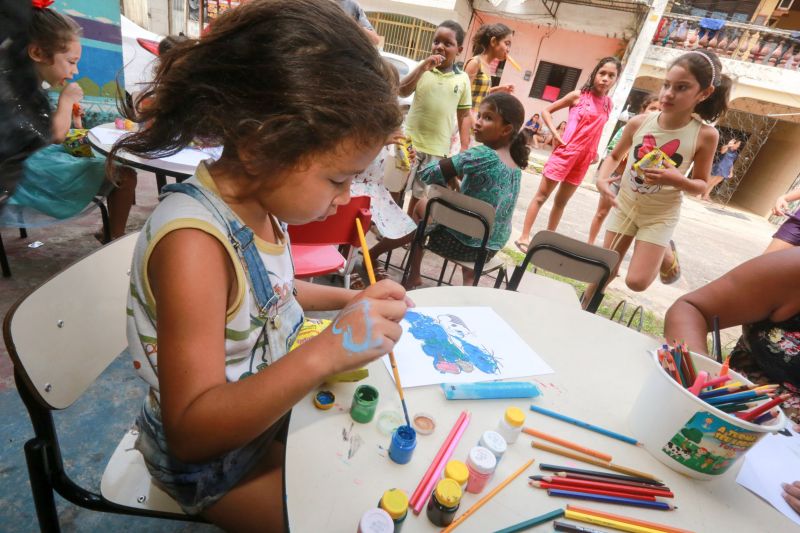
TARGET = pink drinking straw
x,y
702,376
424,481
423,498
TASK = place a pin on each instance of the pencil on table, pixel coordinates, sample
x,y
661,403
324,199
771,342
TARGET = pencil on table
x,y
620,518
546,485
606,479
535,521
567,444
662,506
610,523
593,461
597,473
371,274
585,425
603,485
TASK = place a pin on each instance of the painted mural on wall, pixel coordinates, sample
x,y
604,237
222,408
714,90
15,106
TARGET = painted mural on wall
x,y
100,67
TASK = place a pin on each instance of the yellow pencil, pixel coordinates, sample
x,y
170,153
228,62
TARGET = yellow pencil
x,y
593,461
480,503
371,275
607,522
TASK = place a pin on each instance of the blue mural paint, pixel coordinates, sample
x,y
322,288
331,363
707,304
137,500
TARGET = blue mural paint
x,y
451,344
404,440
348,341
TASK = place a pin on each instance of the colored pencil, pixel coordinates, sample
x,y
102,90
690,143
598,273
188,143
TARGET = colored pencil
x,y
546,485
620,518
661,506
750,415
766,417
535,521
736,397
697,386
689,360
585,425
608,522
426,492
683,375
715,382
602,485
573,528
717,340
567,444
491,494
734,407
371,274
597,473
604,479
592,461
713,393
725,366
428,473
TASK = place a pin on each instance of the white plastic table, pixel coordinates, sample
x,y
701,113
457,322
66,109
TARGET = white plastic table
x,y
337,469
179,166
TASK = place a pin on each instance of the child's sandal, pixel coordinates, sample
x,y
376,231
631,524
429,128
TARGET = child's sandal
x,y
673,273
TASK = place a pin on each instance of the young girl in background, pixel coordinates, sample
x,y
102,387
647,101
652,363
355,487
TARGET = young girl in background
x,y
721,170
649,105
661,147
54,182
490,43
214,306
577,148
490,172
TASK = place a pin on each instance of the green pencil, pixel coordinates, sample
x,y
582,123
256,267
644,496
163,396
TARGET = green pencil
x,y
535,521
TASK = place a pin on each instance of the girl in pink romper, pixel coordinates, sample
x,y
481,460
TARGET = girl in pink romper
x,y
588,112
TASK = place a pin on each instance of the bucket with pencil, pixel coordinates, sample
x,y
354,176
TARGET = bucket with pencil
x,y
698,417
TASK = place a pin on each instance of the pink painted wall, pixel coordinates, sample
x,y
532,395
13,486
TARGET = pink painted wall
x,y
569,48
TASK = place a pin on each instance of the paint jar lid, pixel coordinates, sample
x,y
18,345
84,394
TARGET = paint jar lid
x,y
457,471
494,442
388,421
324,400
481,460
376,521
514,416
423,423
448,492
395,502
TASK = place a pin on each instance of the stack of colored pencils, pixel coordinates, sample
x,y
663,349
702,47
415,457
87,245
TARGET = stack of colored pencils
x,y
743,401
618,522
423,491
603,487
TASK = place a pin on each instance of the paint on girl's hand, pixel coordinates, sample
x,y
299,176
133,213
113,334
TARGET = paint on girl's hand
x,y
346,331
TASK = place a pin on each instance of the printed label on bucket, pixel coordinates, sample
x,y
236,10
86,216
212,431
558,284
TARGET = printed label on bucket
x,y
708,444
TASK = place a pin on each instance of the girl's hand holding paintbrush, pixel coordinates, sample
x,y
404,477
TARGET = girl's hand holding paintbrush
x,y
367,328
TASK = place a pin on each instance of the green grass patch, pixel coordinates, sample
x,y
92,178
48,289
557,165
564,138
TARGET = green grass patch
x,y
652,323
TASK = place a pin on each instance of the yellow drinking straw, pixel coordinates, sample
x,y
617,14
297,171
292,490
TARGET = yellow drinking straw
x,y
371,274
513,63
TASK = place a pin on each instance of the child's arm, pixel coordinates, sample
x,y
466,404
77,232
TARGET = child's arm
x,y
316,297
409,84
617,155
62,118
547,113
444,173
205,416
464,125
703,158
783,201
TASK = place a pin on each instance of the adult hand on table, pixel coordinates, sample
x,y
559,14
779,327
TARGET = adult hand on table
x,y
367,328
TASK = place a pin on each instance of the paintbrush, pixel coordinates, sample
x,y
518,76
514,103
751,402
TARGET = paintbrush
x,y
371,274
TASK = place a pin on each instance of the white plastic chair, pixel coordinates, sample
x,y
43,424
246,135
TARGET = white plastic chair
x,y
61,337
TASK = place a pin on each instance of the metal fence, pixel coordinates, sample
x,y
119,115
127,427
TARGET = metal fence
x,y
403,35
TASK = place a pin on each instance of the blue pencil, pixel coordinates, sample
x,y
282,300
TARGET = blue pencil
x,y
736,397
585,425
535,521
610,499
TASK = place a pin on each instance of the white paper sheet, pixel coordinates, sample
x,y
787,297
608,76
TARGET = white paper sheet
x,y
461,345
775,459
107,135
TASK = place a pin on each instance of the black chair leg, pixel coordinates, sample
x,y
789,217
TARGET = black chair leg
x,y
106,222
501,276
441,274
43,497
23,233
4,266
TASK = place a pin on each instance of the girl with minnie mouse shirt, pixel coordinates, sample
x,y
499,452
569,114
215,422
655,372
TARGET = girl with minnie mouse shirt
x,y
661,147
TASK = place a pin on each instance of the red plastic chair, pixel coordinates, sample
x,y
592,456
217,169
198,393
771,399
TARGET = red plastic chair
x,y
315,245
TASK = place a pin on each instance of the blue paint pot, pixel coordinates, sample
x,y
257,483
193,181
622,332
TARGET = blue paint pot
x,y
404,440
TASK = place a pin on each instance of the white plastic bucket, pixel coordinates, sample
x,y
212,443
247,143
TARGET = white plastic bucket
x,y
687,434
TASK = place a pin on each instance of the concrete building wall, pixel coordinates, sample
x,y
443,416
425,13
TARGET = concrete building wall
x,y
533,43
774,169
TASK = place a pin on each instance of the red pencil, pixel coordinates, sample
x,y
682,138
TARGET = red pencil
x,y
608,486
603,479
423,482
763,408
545,485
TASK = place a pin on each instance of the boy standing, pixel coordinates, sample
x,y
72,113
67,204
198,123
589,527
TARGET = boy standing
x,y
440,90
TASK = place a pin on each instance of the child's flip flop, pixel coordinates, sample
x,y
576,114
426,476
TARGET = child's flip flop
x,y
522,246
673,273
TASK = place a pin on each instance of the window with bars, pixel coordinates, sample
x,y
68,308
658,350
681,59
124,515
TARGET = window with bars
x,y
403,35
553,81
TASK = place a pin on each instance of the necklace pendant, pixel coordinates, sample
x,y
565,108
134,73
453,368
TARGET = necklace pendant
x,y
275,321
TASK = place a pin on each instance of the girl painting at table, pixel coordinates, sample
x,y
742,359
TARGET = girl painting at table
x,y
575,148
661,147
54,182
214,306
